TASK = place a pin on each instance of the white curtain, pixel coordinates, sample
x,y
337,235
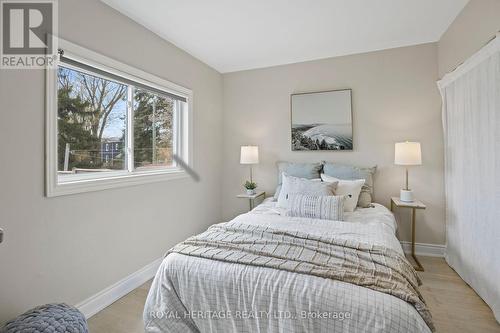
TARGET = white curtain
x,y
471,120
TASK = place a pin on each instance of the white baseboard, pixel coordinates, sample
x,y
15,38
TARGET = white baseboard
x,y
106,297
424,249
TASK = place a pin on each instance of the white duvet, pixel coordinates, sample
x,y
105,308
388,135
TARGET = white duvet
x,y
191,294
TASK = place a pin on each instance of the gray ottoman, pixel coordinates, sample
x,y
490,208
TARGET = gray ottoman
x,y
49,318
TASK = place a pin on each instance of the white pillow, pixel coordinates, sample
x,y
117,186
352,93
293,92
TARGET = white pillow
x,y
295,185
349,188
323,207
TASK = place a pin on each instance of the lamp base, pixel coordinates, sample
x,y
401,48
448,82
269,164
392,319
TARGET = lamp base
x,y
406,195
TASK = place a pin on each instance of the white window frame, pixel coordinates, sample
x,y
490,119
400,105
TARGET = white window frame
x,y
183,141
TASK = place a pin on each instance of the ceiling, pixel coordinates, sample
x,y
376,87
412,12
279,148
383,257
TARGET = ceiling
x,y
234,35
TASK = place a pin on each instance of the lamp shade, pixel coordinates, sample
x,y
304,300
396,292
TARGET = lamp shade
x,y
249,155
407,153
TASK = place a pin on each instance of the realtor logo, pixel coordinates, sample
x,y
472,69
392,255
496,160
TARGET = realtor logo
x,y
28,30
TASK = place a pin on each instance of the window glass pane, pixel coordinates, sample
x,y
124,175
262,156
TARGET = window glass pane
x,y
153,129
92,116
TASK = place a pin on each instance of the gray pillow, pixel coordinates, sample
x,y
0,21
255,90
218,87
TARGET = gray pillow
x,y
301,170
349,172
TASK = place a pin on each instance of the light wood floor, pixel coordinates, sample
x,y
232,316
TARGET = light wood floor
x,y
454,305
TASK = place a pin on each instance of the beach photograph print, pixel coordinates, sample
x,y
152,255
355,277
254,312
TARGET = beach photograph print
x,y
322,120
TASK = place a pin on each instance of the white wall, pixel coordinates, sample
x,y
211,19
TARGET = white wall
x,y
476,24
68,248
394,98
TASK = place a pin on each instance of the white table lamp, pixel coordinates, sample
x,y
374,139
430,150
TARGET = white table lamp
x,y
249,155
407,154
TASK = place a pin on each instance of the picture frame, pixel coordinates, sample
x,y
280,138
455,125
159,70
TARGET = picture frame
x,y
322,121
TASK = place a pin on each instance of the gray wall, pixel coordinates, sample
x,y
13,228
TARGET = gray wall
x,y
474,26
395,98
69,248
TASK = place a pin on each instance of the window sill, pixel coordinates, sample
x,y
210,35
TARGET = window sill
x,y
113,181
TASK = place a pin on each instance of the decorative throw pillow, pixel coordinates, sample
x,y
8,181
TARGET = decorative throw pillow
x,y
301,170
349,172
293,185
317,207
350,188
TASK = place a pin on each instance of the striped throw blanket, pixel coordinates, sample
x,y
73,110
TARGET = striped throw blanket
x,y
371,266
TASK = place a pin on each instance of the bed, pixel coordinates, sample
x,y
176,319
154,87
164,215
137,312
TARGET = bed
x,y
191,293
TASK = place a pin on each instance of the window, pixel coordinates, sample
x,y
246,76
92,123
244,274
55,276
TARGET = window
x,y
91,114
111,125
153,130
